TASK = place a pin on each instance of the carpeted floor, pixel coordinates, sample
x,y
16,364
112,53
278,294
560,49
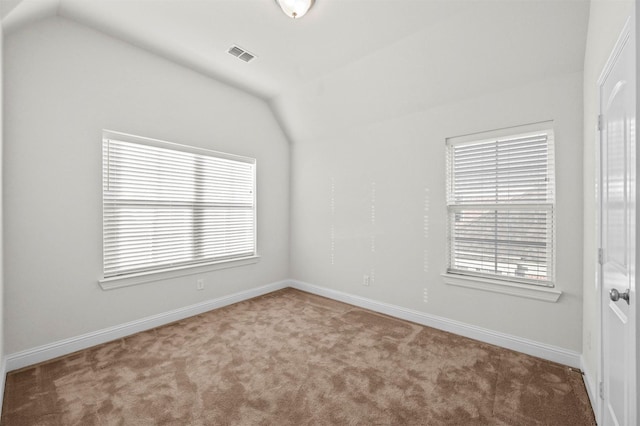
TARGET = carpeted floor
x,y
291,358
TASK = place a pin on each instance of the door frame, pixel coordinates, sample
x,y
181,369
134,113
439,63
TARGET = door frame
x,y
627,35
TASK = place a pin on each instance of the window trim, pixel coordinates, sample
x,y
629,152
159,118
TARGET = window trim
x,y
171,271
544,290
512,288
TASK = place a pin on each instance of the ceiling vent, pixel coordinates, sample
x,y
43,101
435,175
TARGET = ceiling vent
x,y
241,54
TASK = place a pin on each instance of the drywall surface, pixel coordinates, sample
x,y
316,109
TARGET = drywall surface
x,y
480,48
64,83
2,323
606,20
371,201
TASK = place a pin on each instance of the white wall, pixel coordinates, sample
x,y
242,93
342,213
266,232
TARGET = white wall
x,y
64,84
73,82
2,350
482,47
606,20
405,157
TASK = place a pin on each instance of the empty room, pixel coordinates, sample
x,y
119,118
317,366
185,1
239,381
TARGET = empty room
x,y
319,212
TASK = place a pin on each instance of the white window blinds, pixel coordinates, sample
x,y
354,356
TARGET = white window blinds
x,y
167,205
500,200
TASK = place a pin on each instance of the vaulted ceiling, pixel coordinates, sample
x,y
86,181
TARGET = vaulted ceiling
x,y
346,61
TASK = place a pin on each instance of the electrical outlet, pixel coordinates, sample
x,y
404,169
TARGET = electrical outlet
x,y
366,280
425,295
200,284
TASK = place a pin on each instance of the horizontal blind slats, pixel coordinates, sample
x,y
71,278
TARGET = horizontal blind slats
x,y
500,196
163,207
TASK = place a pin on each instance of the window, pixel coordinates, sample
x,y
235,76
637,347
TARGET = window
x,y
167,206
501,201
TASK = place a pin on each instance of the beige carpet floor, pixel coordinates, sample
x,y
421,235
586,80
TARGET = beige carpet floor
x,y
291,358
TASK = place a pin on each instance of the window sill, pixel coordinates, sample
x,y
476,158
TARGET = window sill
x,y
165,274
546,294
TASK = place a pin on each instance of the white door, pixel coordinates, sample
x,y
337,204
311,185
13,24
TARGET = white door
x,y
618,237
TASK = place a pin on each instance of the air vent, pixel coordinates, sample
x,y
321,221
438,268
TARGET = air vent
x,y
236,51
246,56
241,54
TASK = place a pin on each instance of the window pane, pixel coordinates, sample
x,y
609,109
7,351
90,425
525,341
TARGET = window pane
x,y
501,207
509,243
165,207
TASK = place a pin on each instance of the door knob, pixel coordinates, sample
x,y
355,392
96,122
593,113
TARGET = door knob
x,y
615,295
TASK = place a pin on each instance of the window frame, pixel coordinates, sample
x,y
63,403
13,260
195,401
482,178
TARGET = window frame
x,y
181,269
537,289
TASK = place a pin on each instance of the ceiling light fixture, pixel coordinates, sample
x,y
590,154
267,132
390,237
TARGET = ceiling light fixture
x,y
295,8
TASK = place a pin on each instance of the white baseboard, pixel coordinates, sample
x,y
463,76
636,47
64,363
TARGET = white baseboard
x,y
530,347
590,383
64,347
